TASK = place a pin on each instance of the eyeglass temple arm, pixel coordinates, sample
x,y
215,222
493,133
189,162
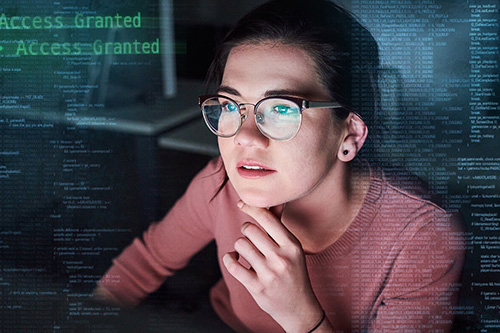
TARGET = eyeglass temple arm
x,y
316,105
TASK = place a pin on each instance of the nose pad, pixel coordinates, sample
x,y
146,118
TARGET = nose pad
x,y
243,112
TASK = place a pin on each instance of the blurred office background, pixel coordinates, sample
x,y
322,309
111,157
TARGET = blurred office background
x,y
93,148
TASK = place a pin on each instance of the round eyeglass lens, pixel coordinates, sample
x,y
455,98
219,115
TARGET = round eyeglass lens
x,y
278,118
221,115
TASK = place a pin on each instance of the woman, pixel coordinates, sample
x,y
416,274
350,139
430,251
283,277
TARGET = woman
x,y
309,237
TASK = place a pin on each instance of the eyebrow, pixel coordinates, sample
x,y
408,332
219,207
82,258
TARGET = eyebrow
x,y
283,92
268,93
228,90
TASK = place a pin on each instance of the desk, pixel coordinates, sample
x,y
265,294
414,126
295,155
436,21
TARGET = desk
x,y
193,137
137,119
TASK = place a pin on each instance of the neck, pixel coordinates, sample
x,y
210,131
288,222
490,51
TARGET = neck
x,y
323,215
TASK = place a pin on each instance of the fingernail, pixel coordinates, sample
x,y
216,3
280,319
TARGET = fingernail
x,y
239,204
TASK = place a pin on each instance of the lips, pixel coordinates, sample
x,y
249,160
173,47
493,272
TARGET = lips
x,y
253,170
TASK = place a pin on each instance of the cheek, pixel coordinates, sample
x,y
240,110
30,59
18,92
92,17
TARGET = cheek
x,y
320,138
310,158
223,146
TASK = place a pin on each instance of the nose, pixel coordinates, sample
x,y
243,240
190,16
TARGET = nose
x,y
249,135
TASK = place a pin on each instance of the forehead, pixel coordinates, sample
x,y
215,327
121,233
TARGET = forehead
x,y
253,69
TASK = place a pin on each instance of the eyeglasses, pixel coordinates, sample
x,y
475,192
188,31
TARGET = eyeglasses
x,y
278,118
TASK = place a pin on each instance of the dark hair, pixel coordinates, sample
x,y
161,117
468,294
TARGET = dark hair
x,y
345,53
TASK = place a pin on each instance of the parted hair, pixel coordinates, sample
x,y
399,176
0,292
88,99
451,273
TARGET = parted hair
x,y
344,52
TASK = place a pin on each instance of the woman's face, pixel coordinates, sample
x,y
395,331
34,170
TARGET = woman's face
x,y
266,172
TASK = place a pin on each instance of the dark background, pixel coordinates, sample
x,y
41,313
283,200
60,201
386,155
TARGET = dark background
x,y
74,191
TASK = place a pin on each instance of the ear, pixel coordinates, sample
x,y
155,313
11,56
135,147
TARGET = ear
x,y
356,132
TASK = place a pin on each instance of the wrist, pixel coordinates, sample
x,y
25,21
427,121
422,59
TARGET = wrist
x,y
305,322
319,323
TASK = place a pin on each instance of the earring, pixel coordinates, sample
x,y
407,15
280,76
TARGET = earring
x,y
346,152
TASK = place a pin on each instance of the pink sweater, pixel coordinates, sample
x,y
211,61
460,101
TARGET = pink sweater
x,y
395,269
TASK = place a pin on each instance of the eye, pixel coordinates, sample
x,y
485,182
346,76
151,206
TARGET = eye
x,y
229,106
284,109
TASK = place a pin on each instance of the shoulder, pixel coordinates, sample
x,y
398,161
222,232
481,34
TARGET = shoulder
x,y
408,206
210,190
411,186
201,190
408,194
214,170
195,209
209,180
424,242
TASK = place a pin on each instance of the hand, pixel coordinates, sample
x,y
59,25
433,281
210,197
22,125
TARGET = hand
x,y
277,279
102,295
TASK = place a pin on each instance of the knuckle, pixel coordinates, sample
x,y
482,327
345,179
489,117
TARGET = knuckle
x,y
271,278
295,251
280,264
257,289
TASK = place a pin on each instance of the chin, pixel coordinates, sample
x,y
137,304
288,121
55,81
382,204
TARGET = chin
x,y
257,193
263,200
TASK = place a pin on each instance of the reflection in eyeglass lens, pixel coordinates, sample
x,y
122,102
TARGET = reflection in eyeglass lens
x,y
277,118
229,117
281,118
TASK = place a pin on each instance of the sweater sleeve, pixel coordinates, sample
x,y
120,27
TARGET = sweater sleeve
x,y
167,245
421,290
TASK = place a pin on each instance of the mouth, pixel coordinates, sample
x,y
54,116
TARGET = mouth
x,y
253,170
252,167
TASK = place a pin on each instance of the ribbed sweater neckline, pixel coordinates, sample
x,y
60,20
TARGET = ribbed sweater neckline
x,y
358,227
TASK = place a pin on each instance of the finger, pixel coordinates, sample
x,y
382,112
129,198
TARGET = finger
x,y
238,271
271,224
259,238
248,251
